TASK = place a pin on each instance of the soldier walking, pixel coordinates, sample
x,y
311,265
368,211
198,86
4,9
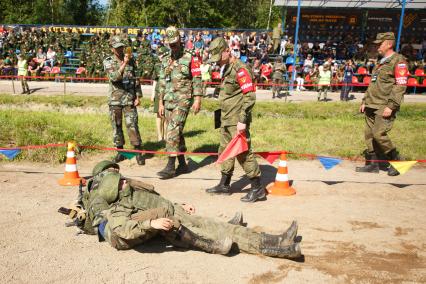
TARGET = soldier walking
x,y
237,98
124,94
381,102
180,87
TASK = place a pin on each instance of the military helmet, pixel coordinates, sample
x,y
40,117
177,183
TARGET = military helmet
x,y
108,187
104,165
217,46
116,42
172,35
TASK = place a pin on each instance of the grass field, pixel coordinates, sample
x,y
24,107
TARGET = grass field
x,y
333,129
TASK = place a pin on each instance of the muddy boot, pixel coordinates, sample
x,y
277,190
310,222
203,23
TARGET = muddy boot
x,y
140,158
223,187
119,157
237,219
393,156
257,191
283,240
169,171
182,167
222,246
370,166
291,252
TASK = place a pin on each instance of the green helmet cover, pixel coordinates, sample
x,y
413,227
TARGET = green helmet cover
x,y
108,187
103,165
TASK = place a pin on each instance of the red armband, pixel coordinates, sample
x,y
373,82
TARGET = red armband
x,y
401,73
244,79
195,67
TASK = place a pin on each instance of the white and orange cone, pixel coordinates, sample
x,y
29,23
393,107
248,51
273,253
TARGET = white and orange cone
x,y
71,176
281,186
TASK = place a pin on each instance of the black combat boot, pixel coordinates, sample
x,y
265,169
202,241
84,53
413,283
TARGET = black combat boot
x,y
119,157
370,166
182,167
257,191
393,156
291,252
237,219
169,171
223,187
283,240
222,246
140,158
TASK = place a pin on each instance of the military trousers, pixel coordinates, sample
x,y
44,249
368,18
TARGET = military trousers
x,y
277,89
247,159
245,239
376,131
176,118
130,114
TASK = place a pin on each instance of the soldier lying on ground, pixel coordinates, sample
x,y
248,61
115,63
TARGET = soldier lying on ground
x,y
127,212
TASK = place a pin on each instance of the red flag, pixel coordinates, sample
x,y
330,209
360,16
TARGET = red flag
x,y
270,157
236,146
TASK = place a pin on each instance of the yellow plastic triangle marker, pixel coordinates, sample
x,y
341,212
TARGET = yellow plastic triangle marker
x,y
403,167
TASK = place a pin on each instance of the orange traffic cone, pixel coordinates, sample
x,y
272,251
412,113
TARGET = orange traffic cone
x,y
71,176
281,185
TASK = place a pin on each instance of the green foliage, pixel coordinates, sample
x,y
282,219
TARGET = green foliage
x,y
77,12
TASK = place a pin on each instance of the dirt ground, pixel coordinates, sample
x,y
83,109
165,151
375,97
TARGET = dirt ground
x,y
355,228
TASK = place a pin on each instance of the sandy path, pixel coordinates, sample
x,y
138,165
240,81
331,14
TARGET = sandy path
x,y
358,228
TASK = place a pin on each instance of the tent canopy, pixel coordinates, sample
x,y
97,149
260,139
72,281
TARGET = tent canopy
x,y
370,4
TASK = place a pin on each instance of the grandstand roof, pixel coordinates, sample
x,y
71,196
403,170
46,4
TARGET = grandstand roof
x,y
370,4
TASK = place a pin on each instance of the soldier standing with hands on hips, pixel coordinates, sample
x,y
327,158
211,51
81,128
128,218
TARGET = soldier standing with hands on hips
x,y
124,94
180,87
237,98
381,102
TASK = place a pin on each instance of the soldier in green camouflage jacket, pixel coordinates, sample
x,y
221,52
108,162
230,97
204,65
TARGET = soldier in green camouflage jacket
x,y
123,97
180,87
237,98
381,102
127,213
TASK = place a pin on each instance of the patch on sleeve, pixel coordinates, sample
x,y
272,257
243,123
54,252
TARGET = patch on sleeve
x,y
244,79
195,67
401,73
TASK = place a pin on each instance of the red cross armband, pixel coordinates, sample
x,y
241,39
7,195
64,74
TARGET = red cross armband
x,y
401,73
244,79
195,67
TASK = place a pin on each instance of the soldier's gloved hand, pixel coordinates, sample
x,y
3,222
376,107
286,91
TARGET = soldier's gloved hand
x,y
162,224
190,209
197,105
241,127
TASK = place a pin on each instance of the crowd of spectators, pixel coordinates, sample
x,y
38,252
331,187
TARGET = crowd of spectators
x,y
69,51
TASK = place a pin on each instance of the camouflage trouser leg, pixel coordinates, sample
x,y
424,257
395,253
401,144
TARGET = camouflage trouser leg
x,y
246,239
376,131
131,120
247,160
276,89
116,115
176,119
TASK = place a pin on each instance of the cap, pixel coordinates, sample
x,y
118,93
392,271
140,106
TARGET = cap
x,y
217,46
172,35
116,42
384,36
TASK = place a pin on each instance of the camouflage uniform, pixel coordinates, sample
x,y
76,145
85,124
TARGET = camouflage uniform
x,y
179,82
387,88
122,216
124,89
278,77
236,98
